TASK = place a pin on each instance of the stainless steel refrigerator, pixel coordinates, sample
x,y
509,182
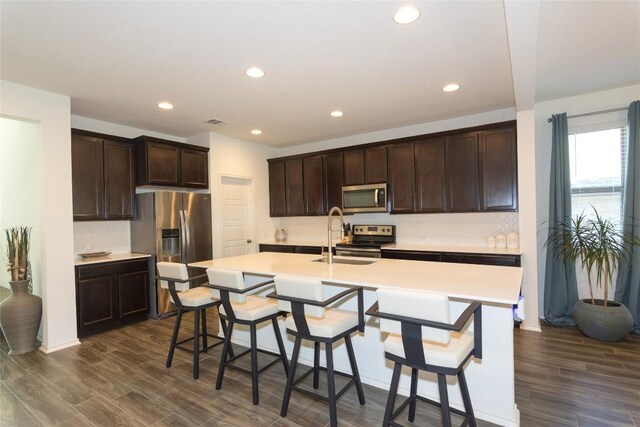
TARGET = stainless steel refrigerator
x,y
174,227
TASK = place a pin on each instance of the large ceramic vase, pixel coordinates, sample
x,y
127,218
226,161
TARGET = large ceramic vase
x,y
610,323
20,316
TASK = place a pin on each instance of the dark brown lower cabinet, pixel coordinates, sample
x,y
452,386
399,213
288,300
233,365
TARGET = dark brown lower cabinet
x,y
110,295
460,258
293,249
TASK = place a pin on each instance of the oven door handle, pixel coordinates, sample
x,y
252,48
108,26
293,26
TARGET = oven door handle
x,y
375,198
366,253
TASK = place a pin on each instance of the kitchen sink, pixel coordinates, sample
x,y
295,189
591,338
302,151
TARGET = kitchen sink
x,y
345,261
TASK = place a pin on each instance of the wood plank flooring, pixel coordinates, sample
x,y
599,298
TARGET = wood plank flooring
x,y
118,379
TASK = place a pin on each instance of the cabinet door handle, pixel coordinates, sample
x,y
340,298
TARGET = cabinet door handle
x,y
248,240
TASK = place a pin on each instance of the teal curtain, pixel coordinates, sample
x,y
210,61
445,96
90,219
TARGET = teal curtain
x,y
628,284
560,287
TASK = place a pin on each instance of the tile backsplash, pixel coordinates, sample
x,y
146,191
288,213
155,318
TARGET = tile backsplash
x,y
469,229
91,236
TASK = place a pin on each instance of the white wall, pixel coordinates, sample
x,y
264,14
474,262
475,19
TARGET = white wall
x,y
597,101
237,158
20,194
420,129
93,125
52,113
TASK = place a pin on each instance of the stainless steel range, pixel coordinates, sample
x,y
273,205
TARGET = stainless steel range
x,y
368,241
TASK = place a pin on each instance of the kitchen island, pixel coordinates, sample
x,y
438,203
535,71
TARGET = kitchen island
x,y
491,380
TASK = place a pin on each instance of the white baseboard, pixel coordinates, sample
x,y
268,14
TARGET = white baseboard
x,y
48,350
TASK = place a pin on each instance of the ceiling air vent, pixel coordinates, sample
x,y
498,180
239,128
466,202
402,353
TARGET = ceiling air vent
x,y
215,122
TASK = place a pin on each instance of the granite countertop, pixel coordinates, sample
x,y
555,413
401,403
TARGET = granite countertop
x,y
110,258
466,281
434,247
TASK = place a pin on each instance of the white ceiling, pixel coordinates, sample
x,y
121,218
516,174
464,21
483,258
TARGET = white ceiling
x,y
117,60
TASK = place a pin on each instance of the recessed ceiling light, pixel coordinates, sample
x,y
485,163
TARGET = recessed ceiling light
x,y
255,72
406,15
256,132
165,106
451,87
336,113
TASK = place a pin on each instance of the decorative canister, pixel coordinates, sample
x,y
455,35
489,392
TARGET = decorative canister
x,y
513,241
20,316
491,242
281,235
501,241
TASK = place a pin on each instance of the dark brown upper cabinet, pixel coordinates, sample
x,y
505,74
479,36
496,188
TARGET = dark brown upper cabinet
x,y
353,168
499,170
365,166
401,178
172,164
375,165
334,179
119,180
462,170
195,168
463,186
431,192
294,186
87,175
313,179
277,189
103,177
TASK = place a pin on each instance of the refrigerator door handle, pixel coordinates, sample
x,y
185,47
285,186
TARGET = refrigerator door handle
x,y
183,237
187,227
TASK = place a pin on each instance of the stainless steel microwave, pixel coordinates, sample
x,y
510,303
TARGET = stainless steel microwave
x,y
364,198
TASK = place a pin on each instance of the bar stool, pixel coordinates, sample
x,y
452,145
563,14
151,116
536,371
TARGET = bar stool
x,y
421,337
174,277
251,310
311,320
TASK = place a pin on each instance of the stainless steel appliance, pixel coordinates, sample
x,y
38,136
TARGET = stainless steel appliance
x,y
364,198
368,240
174,227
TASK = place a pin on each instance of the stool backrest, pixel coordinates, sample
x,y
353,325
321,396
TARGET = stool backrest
x,y
229,279
299,287
174,270
418,305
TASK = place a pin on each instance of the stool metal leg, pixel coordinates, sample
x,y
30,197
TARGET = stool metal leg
x,y
204,330
316,364
414,393
223,324
290,377
254,364
444,400
466,398
393,390
354,369
223,357
283,352
174,338
196,344
333,416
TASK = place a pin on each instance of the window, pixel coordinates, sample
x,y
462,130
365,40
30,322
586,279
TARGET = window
x,y
598,157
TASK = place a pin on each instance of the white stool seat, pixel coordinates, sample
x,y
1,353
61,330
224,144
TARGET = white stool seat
x,y
446,355
195,297
334,322
254,308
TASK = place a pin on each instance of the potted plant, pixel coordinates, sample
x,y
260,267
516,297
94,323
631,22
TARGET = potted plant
x,y
600,246
20,314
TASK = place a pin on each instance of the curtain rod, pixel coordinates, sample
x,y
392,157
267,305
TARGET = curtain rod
x,y
594,113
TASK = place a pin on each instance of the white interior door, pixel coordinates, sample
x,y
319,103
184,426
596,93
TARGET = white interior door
x,y
237,229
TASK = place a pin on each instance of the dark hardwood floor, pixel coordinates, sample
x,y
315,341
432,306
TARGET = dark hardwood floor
x,y
119,378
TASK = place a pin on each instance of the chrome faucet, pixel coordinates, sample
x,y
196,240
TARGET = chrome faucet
x,y
329,231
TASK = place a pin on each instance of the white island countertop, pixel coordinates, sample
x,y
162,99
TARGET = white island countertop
x,y
466,281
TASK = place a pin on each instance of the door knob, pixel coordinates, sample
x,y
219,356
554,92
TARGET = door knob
x,y
248,240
